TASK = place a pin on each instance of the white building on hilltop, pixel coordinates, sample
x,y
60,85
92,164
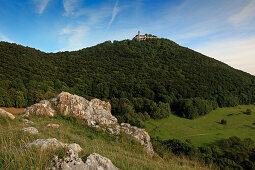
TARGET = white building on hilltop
x,y
144,37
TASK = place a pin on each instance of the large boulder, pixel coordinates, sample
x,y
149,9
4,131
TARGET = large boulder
x,y
41,108
6,114
90,111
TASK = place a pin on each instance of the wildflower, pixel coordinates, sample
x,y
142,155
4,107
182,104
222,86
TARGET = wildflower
x,y
67,152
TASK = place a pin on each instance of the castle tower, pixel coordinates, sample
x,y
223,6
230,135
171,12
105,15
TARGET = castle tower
x,y
138,35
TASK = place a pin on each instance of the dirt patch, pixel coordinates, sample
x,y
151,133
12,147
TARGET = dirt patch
x,y
13,110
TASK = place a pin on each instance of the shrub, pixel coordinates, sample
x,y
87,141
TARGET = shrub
x,y
223,122
248,111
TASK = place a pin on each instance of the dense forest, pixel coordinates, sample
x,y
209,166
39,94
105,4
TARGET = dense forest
x,y
142,80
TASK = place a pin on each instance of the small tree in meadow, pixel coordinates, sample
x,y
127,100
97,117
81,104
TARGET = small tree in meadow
x,y
248,111
223,122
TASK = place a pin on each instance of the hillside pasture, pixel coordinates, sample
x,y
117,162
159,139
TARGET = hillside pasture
x,y
206,129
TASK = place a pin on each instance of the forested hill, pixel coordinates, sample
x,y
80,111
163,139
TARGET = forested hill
x,y
141,79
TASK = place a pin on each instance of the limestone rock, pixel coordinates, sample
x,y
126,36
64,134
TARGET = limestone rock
x,y
92,112
139,134
52,125
73,162
31,130
98,162
41,108
75,147
27,121
70,162
7,114
45,143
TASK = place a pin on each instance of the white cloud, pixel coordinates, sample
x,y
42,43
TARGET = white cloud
x,y
74,37
248,12
41,5
4,38
238,53
70,5
115,11
79,34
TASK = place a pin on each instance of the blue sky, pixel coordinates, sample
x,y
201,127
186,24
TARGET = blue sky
x,y
222,29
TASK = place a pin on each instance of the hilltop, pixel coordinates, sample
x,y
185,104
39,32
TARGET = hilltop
x,y
142,80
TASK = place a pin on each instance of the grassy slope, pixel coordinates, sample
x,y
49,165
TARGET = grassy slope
x,y
206,129
124,152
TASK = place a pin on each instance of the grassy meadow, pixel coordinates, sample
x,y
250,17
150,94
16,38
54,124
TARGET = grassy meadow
x,y
206,129
124,152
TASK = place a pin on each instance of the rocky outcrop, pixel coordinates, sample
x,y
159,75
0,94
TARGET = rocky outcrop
x,y
139,134
31,130
41,108
90,111
94,113
6,114
73,162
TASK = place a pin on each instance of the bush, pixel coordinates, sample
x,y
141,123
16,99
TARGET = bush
x,y
223,122
248,111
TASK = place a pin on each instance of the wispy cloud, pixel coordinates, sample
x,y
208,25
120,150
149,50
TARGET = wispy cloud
x,y
70,6
4,38
248,12
78,34
41,5
75,37
115,11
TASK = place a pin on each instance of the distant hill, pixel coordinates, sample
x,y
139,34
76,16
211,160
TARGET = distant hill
x,y
140,79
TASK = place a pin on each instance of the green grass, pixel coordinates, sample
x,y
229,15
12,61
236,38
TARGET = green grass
x,y
206,129
124,152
